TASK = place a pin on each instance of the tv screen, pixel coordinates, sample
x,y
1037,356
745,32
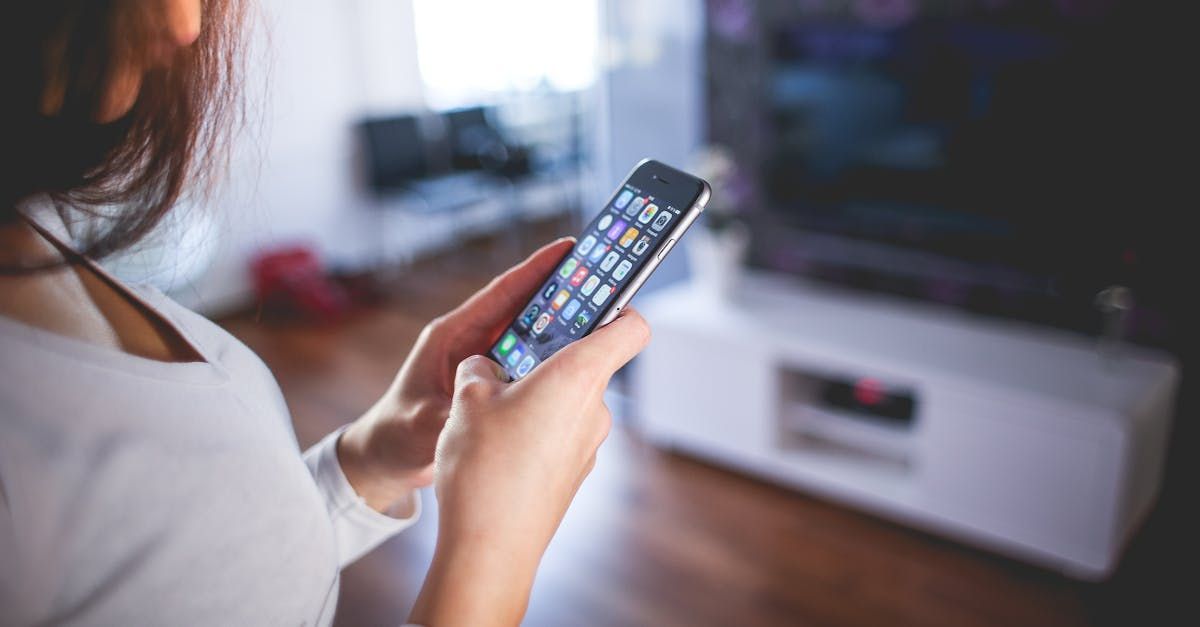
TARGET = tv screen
x,y
990,155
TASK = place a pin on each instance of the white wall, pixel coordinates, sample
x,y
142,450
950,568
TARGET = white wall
x,y
387,52
653,95
316,67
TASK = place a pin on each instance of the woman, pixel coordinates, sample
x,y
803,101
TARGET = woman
x,y
148,470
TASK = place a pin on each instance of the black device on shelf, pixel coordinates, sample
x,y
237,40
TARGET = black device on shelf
x,y
477,143
474,143
395,152
869,398
400,153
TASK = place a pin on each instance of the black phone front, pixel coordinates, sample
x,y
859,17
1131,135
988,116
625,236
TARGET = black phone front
x,y
612,258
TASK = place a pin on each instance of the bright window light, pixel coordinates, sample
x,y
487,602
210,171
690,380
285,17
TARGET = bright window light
x,y
473,51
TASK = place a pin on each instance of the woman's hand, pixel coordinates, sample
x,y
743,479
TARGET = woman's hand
x,y
389,450
509,462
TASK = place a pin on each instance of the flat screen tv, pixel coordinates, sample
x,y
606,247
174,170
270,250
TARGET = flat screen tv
x,y
1003,157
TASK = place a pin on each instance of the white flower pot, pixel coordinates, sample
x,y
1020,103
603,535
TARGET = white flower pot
x,y
716,259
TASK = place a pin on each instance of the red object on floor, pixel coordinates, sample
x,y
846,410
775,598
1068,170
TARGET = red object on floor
x,y
291,281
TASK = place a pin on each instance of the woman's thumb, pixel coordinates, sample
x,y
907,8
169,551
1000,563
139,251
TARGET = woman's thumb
x,y
479,371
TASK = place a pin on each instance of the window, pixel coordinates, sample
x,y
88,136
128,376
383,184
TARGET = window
x,y
477,51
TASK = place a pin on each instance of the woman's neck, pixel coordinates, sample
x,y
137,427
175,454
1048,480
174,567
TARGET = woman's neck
x,y
70,297
21,246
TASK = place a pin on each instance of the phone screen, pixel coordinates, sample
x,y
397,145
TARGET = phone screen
x,y
616,245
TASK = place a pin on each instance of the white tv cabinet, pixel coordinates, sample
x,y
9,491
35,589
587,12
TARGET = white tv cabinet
x,y
1024,441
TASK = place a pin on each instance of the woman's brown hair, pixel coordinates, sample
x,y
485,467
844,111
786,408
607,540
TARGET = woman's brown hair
x,y
175,136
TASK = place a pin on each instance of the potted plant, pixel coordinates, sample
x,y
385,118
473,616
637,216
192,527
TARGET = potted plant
x,y
717,249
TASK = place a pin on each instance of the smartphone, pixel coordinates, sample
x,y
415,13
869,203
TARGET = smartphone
x,y
620,248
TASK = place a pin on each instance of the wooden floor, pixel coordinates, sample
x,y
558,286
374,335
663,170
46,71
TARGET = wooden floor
x,y
658,539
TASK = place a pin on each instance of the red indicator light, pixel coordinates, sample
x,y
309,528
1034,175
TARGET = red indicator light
x,y
868,392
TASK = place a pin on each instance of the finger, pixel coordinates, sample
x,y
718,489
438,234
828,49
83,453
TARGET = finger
x,y
501,300
604,351
603,423
478,373
589,467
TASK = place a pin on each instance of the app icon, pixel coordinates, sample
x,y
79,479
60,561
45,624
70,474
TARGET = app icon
x,y
542,322
622,270
661,221
586,245
648,213
602,295
623,199
515,355
635,206
604,222
582,319
610,261
628,237
642,245
598,252
526,365
580,274
548,293
617,229
590,286
531,314
560,298
568,267
507,342
567,311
